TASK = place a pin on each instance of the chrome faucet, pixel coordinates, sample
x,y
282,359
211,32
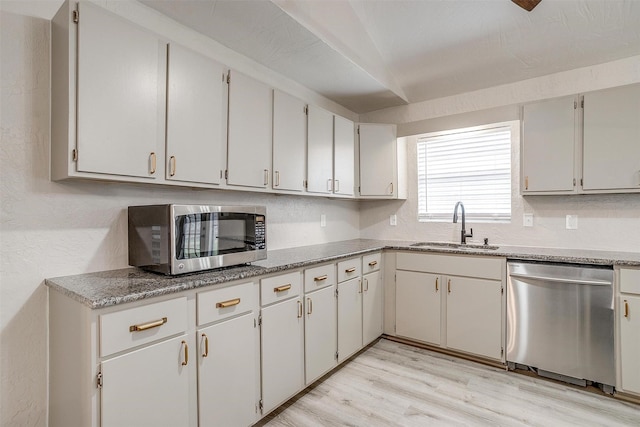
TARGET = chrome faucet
x,y
463,233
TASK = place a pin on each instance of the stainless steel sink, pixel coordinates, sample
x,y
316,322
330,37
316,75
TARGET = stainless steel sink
x,y
447,245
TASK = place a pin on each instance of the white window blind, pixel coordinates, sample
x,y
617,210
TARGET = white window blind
x,y
473,167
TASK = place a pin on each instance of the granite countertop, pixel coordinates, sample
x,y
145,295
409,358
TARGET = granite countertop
x,y
107,288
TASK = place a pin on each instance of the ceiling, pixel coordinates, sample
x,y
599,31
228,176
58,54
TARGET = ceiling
x,y
371,54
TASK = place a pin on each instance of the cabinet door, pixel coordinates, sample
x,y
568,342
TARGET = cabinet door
x,y
147,387
372,312
630,343
289,142
548,146
319,150
249,143
474,308
343,146
282,352
611,147
196,117
378,163
228,377
320,333
418,306
121,81
349,318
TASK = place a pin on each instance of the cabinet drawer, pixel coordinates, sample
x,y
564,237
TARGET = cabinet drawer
x,y
125,329
630,281
319,277
371,262
349,269
279,288
219,304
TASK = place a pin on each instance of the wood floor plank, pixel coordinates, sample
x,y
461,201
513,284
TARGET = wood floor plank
x,y
394,384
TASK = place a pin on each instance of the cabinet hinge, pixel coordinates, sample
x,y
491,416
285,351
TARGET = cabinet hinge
x,y
581,182
337,355
574,182
99,380
358,130
336,293
582,103
260,406
76,16
259,320
575,105
226,174
501,351
306,184
502,290
306,110
229,77
74,155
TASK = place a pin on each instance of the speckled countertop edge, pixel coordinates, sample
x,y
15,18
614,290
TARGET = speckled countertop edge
x,y
108,288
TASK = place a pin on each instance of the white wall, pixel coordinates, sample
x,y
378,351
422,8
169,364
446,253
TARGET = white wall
x,y
610,222
50,229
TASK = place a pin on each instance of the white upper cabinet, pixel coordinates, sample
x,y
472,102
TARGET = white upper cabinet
x,y
548,146
109,87
250,132
583,144
196,117
289,142
343,146
319,151
382,162
611,147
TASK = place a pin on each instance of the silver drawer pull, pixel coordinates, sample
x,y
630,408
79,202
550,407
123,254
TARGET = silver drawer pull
x,y
150,325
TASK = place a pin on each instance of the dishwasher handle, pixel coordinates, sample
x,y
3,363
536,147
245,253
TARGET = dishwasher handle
x,y
559,280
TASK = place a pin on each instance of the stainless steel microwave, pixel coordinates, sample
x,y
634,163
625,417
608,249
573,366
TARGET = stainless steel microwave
x,y
177,239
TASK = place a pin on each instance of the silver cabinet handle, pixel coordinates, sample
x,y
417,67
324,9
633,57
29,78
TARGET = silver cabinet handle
x,y
276,179
172,166
266,176
337,185
329,184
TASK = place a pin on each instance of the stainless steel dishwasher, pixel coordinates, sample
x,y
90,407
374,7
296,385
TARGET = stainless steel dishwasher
x,y
560,321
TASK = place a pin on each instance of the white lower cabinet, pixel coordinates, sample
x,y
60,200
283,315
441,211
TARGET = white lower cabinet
x,y
349,318
320,331
282,344
372,308
418,306
223,355
147,387
630,343
228,377
628,330
474,308
228,355
452,301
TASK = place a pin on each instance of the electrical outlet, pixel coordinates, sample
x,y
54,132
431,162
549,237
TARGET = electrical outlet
x,y
527,220
323,220
393,219
572,222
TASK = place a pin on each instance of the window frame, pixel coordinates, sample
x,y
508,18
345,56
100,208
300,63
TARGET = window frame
x,y
424,216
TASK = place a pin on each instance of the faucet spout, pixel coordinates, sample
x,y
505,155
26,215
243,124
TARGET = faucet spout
x,y
463,232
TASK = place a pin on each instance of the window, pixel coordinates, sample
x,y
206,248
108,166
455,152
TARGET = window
x,y
468,165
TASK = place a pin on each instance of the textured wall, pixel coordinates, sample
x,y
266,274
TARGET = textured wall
x,y
609,222
51,229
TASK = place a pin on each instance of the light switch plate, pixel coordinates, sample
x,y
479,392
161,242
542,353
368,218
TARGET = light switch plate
x,y
323,220
527,220
572,222
393,219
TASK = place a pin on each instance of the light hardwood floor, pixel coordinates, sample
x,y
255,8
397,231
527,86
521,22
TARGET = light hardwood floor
x,y
393,384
